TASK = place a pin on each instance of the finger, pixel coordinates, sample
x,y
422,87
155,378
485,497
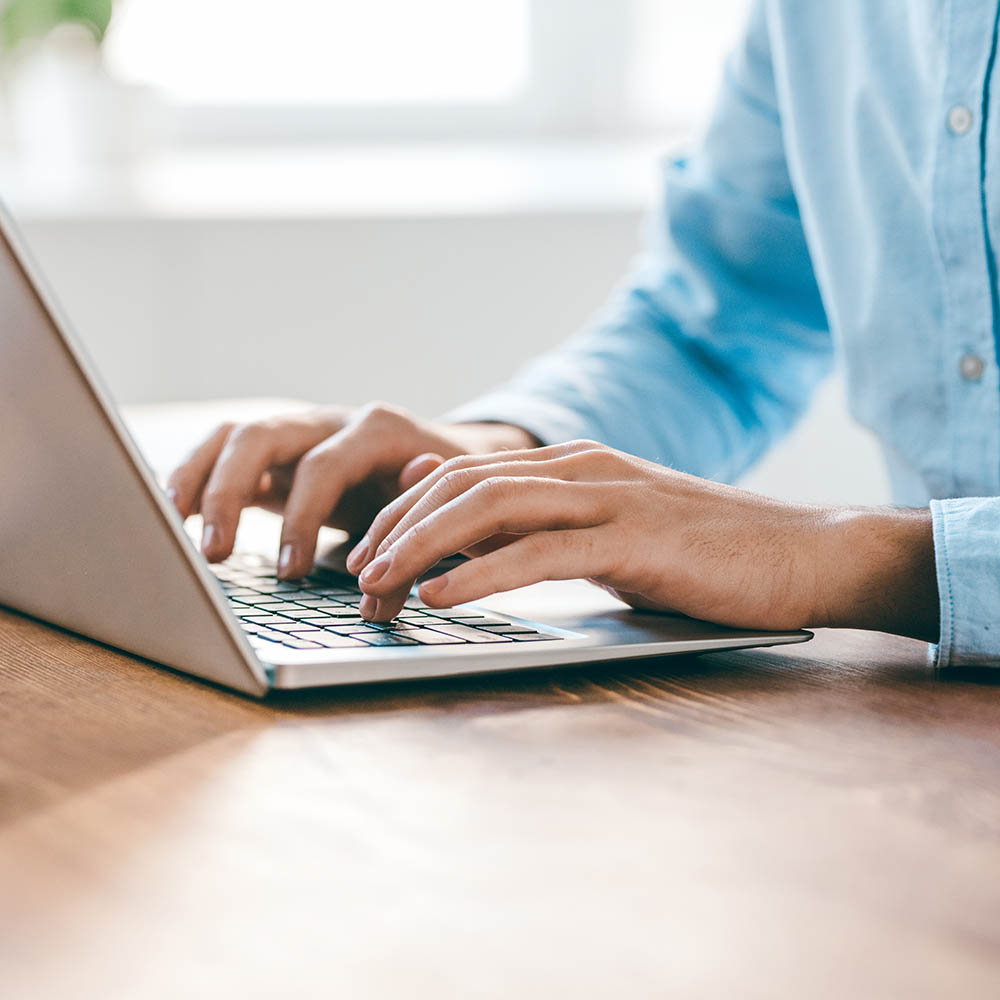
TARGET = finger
x,y
452,479
418,468
383,609
248,453
272,490
369,605
322,477
188,480
494,507
550,555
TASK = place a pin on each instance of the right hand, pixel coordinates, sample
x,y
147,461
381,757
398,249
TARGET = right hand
x,y
333,465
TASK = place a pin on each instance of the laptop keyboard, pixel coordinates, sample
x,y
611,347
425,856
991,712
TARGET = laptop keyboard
x,y
321,612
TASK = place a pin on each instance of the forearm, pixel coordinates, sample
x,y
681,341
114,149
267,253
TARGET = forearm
x,y
878,572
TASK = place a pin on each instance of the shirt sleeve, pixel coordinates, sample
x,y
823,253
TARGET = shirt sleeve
x,y
967,557
712,347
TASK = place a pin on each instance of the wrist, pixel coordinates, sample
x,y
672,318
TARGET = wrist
x,y
878,572
484,438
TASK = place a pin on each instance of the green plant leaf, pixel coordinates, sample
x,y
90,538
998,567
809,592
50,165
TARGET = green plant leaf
x,y
24,19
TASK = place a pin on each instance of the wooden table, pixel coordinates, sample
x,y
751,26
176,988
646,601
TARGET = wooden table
x,y
814,821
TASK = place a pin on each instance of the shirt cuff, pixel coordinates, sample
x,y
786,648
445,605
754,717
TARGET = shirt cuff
x,y
967,558
549,421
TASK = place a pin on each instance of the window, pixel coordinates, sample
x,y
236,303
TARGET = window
x,y
677,54
470,69
336,52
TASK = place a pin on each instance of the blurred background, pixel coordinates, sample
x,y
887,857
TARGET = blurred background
x,y
355,199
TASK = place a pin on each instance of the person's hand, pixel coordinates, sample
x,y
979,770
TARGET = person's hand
x,y
334,465
656,538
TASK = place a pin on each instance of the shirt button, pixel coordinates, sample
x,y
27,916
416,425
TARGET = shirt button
x,y
971,367
959,119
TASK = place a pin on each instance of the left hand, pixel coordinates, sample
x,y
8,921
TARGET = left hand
x,y
656,538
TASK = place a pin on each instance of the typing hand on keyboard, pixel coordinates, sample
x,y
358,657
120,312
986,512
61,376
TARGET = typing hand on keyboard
x,y
334,465
321,612
655,537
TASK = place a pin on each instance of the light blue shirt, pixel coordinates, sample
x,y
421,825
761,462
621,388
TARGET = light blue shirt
x,y
845,200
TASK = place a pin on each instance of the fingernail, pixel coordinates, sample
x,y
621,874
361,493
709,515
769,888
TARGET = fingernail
x,y
377,569
435,587
358,554
285,558
367,607
172,496
209,539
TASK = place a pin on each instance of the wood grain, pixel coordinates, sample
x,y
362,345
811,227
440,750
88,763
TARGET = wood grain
x,y
812,821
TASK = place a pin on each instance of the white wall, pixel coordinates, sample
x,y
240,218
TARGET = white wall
x,y
424,311
419,311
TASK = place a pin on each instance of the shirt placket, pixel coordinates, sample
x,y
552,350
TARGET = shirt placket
x,y
965,198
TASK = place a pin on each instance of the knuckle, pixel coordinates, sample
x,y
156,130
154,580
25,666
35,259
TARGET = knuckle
x,y
455,482
584,444
381,414
459,463
603,458
416,535
393,532
381,523
316,462
574,464
242,435
593,458
386,543
494,490
273,425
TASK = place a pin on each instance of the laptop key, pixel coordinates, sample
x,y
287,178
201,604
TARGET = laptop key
x,y
507,629
470,634
335,593
428,637
535,637
270,634
360,628
329,641
301,644
386,639
478,621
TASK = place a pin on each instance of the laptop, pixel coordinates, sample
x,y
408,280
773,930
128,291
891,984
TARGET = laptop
x,y
90,543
